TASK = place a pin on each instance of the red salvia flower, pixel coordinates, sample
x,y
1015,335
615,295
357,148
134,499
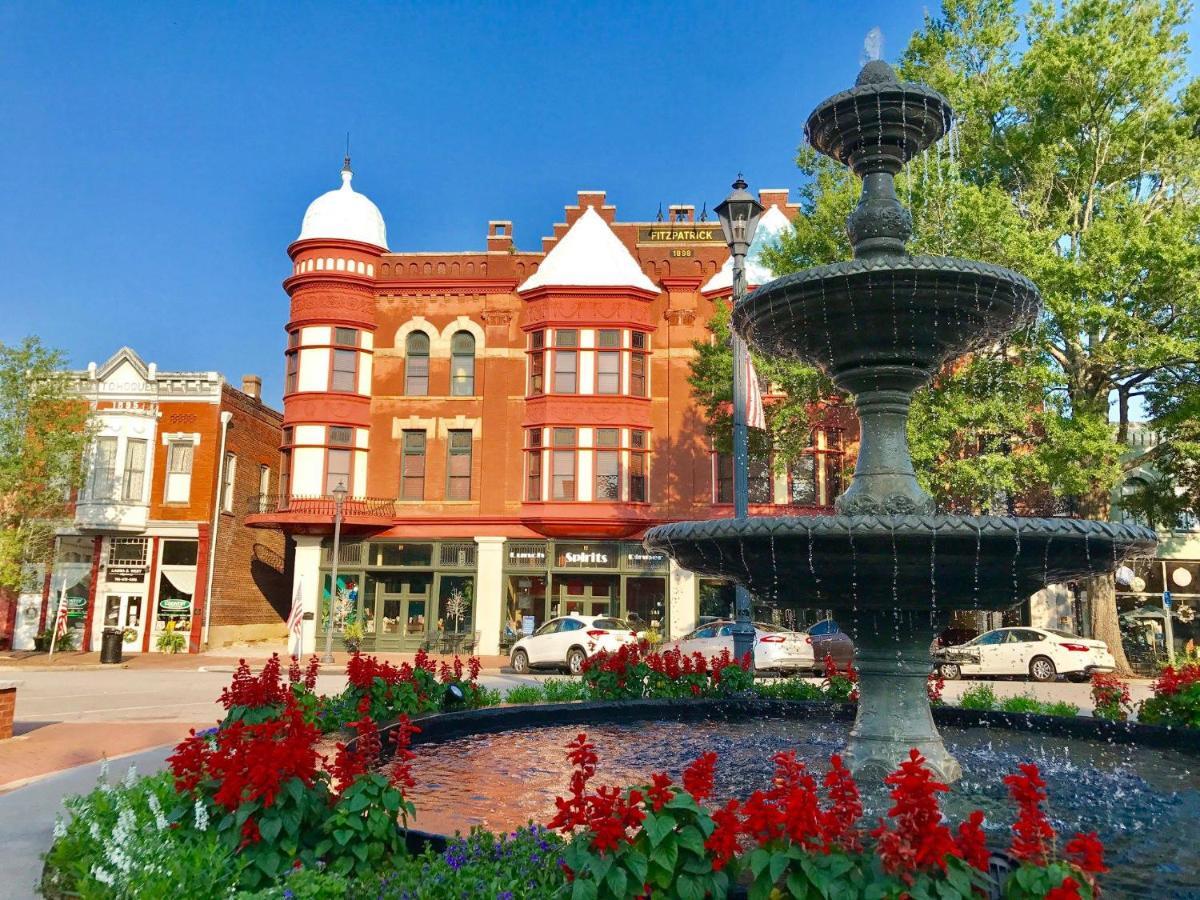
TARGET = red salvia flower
x,y
845,808
348,764
972,843
294,671
265,689
919,842
473,667
458,668
250,833
1033,838
660,792
722,844
402,757
1087,852
310,674
1068,890
698,777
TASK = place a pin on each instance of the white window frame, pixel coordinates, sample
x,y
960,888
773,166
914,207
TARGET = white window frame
x,y
229,477
177,486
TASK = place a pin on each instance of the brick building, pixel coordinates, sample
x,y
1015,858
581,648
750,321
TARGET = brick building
x,y
156,530
508,423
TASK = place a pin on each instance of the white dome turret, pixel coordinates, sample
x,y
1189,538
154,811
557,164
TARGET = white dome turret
x,y
344,214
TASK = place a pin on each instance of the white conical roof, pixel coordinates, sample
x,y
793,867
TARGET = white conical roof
x,y
772,224
344,214
589,255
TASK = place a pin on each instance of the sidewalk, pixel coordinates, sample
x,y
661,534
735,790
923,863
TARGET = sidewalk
x,y
214,660
43,750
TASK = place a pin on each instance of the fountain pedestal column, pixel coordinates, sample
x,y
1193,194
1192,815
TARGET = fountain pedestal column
x,y
892,656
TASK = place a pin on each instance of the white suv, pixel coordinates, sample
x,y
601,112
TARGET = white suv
x,y
565,642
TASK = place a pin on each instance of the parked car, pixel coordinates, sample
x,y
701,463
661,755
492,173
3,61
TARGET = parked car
x,y
1038,653
952,637
829,640
565,642
774,648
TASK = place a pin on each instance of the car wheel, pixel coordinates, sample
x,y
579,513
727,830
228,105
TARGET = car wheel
x,y
1041,668
950,671
520,662
1077,677
575,659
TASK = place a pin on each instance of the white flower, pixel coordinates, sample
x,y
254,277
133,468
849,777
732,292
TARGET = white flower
x,y
102,875
201,816
104,769
60,827
159,819
94,831
130,775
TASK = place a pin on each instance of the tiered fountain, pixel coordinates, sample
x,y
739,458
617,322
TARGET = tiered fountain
x,y
880,326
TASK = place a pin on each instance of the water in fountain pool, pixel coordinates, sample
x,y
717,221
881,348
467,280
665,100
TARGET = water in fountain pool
x,y
1142,802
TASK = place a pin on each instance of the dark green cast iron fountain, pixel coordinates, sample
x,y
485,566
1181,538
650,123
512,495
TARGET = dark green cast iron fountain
x,y
880,326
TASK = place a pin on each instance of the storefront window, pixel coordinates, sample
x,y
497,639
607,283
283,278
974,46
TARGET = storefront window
x,y
345,610
525,606
645,602
456,603
176,588
405,554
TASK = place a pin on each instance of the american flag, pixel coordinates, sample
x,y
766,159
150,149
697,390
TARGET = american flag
x,y
296,618
755,416
60,622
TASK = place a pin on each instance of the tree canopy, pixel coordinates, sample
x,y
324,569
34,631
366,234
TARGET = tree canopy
x,y
1074,160
43,433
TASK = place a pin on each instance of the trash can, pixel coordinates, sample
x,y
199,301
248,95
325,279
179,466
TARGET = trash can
x,y
110,645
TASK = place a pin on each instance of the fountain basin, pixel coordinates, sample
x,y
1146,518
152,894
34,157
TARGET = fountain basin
x,y
899,562
884,322
1136,785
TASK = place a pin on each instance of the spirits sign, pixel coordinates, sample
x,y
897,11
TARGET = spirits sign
x,y
585,556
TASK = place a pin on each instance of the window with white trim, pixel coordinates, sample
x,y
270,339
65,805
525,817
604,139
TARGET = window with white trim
x,y
178,487
229,476
133,481
104,469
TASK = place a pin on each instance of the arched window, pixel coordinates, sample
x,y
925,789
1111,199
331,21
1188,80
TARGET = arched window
x,y
462,364
416,364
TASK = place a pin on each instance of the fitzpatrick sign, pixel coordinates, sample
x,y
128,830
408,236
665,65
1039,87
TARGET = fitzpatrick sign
x,y
681,233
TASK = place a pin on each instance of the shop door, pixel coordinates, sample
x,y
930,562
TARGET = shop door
x,y
127,612
402,608
586,595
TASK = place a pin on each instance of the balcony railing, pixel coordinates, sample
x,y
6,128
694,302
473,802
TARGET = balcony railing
x,y
323,505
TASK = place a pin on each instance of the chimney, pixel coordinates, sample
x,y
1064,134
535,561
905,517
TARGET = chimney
x,y
500,235
769,197
252,387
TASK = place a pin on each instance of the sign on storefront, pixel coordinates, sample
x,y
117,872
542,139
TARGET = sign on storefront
x,y
126,574
527,556
585,556
638,557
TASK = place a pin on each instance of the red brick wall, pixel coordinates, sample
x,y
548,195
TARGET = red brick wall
x,y
8,706
252,571
8,617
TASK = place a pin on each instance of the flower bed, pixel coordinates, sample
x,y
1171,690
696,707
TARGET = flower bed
x,y
1176,699
255,808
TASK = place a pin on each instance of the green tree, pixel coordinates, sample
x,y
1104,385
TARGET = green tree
x,y
1075,161
43,433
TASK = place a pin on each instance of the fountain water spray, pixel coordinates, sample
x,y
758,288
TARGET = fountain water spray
x,y
892,567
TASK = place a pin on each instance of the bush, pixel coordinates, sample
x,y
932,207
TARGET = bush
x,y
789,841
525,693
1060,708
1176,699
635,671
789,689
1022,703
563,690
1110,697
138,839
170,641
979,696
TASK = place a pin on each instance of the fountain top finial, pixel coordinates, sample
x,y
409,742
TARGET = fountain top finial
x,y
876,72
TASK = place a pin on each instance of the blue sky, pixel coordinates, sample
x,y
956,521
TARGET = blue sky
x,y
157,158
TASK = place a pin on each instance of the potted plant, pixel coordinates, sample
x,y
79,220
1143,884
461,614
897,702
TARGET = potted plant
x,y
65,642
170,641
352,636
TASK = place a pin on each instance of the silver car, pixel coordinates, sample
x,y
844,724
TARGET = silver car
x,y
775,650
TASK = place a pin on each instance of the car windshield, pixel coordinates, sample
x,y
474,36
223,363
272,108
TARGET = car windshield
x,y
1062,634
612,625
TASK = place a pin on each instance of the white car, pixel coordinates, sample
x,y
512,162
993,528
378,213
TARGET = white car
x,y
565,642
774,648
1038,653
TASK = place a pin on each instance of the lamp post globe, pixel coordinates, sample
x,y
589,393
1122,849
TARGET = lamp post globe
x,y
739,214
339,497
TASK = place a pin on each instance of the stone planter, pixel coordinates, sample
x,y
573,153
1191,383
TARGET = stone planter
x,y
8,706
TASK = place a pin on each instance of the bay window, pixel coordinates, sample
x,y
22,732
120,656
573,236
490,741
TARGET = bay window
x,y
608,464
533,465
562,485
104,469
337,469
133,482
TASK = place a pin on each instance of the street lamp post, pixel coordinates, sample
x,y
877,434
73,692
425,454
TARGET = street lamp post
x,y
339,497
739,214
